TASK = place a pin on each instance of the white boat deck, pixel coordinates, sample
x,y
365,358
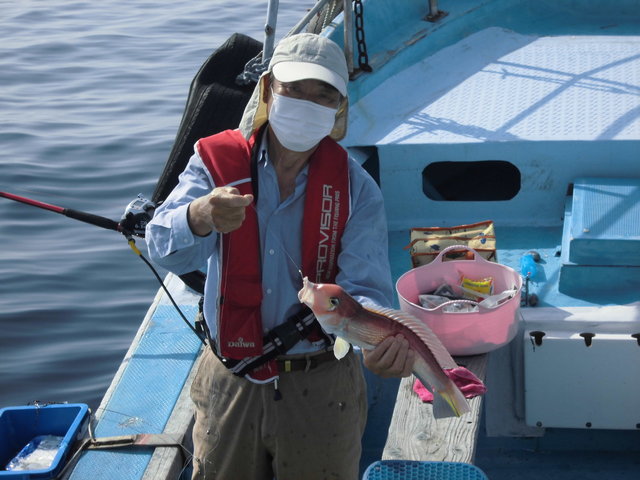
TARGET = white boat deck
x,y
506,86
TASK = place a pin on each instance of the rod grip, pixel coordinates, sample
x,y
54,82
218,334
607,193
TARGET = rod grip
x,y
96,220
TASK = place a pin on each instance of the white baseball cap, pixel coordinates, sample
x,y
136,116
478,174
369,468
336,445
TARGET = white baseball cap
x,y
309,56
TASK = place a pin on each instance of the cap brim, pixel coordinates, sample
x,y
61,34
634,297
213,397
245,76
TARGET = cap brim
x,y
294,71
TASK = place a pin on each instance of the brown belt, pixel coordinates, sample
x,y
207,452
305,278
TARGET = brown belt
x,y
304,363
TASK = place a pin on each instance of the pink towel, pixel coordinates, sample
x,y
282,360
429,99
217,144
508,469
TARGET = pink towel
x,y
467,382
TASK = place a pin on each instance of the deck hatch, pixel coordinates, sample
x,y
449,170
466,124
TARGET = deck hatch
x,y
605,228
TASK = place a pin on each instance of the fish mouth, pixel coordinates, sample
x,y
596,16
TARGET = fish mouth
x,y
305,295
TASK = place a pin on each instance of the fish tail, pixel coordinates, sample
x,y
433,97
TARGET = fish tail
x,y
455,399
448,398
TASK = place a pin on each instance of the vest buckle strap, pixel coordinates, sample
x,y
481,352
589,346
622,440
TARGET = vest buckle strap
x,y
276,342
289,333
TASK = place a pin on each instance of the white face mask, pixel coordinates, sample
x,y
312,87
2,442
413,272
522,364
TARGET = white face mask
x,y
298,124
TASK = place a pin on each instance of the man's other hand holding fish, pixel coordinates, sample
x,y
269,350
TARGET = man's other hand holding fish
x,y
391,358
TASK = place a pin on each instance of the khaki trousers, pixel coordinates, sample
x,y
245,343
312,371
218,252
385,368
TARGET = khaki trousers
x,y
313,432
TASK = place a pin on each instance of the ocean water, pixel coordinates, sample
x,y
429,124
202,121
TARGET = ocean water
x,y
91,96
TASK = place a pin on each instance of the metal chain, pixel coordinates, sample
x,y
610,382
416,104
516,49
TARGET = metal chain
x,y
363,58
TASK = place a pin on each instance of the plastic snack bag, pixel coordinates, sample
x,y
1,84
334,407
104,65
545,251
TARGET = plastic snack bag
x,y
476,289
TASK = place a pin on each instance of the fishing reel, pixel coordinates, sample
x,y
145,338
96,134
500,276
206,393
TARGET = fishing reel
x,y
136,216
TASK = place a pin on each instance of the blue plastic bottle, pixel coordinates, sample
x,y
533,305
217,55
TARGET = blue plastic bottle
x,y
528,266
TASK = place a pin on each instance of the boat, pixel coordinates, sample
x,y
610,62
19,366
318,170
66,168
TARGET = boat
x,y
523,113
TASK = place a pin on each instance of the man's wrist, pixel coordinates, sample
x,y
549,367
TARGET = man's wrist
x,y
198,228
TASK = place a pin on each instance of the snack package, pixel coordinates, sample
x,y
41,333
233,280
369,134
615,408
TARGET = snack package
x,y
476,289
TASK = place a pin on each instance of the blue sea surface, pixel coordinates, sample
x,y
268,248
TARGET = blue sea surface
x,y
91,96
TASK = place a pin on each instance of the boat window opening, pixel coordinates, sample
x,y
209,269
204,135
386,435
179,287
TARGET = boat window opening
x,y
486,180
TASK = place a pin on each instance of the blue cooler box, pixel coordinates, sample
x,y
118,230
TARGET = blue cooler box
x,y
20,425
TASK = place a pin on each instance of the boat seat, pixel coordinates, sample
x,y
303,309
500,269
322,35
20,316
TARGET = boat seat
x,y
415,434
605,222
601,237
416,470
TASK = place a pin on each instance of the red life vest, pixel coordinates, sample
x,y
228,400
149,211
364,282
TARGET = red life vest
x,y
227,156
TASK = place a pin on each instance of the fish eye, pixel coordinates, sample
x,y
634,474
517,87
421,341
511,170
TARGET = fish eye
x,y
334,301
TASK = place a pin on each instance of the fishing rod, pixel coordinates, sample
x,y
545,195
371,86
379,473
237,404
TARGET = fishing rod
x,y
133,223
96,220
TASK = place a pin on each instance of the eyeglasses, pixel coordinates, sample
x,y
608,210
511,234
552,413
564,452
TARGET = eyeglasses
x,y
312,90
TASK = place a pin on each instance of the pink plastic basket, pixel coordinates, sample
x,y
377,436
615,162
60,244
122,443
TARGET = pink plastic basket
x,y
467,333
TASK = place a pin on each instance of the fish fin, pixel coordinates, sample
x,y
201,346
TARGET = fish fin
x,y
441,408
341,348
439,351
450,401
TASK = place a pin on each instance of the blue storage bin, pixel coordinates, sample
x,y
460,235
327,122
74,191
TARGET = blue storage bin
x,y
416,470
20,425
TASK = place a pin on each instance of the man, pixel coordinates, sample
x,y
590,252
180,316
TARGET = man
x,y
263,206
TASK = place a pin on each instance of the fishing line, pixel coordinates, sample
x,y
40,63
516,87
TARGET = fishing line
x,y
279,241
135,249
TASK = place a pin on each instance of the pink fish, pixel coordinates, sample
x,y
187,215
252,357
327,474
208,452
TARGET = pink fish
x,y
341,315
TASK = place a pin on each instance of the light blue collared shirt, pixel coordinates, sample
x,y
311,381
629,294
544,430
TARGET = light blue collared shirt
x,y
363,261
